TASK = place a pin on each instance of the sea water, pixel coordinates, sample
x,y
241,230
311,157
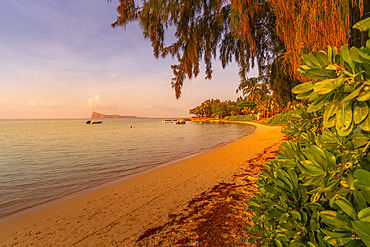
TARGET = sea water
x,y
44,160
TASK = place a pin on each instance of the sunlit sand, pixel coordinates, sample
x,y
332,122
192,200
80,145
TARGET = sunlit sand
x,y
121,211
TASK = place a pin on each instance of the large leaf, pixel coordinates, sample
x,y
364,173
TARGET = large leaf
x,y
316,74
363,25
359,140
303,87
346,206
364,97
330,54
322,58
331,159
310,60
355,57
365,124
335,234
319,103
364,215
360,112
363,55
344,118
309,168
363,176
359,200
363,231
324,87
353,95
338,241
330,218
305,95
346,57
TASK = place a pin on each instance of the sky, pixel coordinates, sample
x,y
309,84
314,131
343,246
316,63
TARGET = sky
x,y
62,59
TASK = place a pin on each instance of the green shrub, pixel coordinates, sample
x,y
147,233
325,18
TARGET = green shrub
x,y
282,118
240,118
317,191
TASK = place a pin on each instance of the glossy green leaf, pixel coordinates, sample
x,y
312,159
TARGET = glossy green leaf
x,y
313,96
322,58
310,60
363,231
335,234
365,124
304,95
324,87
346,206
364,97
359,200
318,103
278,243
330,218
364,215
357,184
330,54
303,87
353,95
363,55
363,25
308,167
363,176
316,74
330,110
359,141
366,194
283,175
345,56
360,112
302,69
355,57
331,159
344,118
293,177
354,243
338,241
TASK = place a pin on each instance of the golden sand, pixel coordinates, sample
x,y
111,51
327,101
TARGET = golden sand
x,y
121,211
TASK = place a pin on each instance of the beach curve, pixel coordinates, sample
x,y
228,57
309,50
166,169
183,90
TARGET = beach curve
x,y
120,212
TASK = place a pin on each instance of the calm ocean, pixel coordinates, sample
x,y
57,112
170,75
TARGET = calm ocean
x,y
44,160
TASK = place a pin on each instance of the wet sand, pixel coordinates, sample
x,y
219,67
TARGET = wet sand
x,y
122,211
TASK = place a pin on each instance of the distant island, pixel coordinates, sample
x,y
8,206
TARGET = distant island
x,y
99,115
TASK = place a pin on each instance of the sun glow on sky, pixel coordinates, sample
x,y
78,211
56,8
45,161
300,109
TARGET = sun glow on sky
x,y
62,59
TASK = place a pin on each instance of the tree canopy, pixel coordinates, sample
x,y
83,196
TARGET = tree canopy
x,y
205,30
272,34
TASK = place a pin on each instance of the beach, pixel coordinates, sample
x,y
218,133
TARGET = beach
x,y
120,212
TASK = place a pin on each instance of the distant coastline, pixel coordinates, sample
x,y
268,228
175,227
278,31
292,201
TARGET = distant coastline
x,y
100,115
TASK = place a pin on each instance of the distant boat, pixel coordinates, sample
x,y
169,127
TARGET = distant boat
x,y
167,121
93,122
180,121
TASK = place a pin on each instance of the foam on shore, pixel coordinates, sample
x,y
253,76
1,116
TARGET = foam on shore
x,y
120,212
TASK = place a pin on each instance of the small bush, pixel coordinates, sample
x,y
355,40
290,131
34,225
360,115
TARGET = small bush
x,y
240,118
282,118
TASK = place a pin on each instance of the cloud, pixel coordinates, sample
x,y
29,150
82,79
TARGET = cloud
x,y
42,104
96,103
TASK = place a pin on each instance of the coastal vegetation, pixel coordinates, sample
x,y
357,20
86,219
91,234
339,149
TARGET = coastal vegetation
x,y
219,109
316,192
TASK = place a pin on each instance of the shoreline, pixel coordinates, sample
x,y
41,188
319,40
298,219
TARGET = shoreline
x,y
122,210
139,171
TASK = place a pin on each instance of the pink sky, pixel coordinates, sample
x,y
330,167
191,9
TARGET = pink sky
x,y
61,59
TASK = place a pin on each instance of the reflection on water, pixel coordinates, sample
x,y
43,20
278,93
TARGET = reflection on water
x,y
45,160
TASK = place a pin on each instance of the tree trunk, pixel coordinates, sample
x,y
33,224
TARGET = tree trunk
x,y
363,38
